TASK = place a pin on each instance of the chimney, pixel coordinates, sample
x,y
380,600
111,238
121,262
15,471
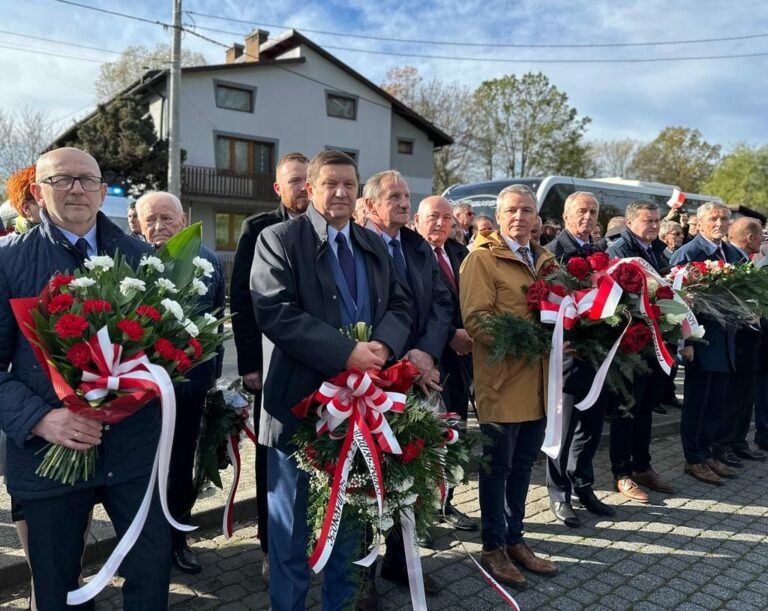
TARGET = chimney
x,y
252,43
234,53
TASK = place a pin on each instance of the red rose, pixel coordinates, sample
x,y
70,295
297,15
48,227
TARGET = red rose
x,y
79,355
665,292
629,277
133,330
558,289
551,268
700,266
329,467
412,450
536,293
149,312
58,281
598,261
60,303
655,311
636,337
197,349
165,349
96,305
70,325
578,267
182,359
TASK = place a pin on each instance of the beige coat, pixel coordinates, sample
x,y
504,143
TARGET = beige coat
x,y
492,280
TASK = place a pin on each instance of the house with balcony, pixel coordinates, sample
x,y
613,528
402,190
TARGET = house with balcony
x,y
271,97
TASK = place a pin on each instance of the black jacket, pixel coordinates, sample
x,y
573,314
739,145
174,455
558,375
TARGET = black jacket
x,y
628,246
565,246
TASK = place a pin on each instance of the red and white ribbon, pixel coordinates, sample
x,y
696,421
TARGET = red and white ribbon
x,y
233,451
492,582
136,373
413,561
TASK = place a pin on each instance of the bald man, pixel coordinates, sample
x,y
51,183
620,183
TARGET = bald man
x,y
161,216
70,190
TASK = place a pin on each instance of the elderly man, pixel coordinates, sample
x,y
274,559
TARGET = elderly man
x,y
465,218
572,472
360,215
311,277
70,191
291,188
510,395
536,231
630,443
708,372
161,217
134,227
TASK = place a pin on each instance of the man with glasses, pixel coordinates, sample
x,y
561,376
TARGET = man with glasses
x,y
70,191
465,217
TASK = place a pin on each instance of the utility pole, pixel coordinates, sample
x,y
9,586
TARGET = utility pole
x,y
174,99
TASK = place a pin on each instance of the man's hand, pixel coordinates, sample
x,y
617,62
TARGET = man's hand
x,y
430,381
421,360
686,353
63,427
461,342
253,380
381,349
366,355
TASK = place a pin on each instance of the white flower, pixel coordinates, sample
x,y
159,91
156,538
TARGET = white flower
x,y
209,319
457,474
81,283
199,287
166,285
100,262
698,333
404,485
204,266
387,523
174,308
675,319
190,327
410,499
130,285
153,262
652,285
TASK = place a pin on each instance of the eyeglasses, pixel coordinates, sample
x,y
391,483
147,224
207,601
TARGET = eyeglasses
x,y
65,183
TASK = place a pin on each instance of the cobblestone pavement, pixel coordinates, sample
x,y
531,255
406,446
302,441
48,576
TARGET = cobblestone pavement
x,y
701,548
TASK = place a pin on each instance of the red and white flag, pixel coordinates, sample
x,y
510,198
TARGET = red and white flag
x,y
677,199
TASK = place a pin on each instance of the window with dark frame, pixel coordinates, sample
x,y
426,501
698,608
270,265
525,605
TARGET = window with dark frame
x,y
227,229
243,155
405,147
234,98
341,106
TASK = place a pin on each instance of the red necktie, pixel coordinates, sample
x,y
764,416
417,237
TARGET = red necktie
x,y
447,271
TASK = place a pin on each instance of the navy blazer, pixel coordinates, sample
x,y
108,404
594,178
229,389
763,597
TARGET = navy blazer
x,y
627,245
565,246
718,354
297,308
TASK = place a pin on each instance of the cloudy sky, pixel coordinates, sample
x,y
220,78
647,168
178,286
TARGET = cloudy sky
x,y
724,98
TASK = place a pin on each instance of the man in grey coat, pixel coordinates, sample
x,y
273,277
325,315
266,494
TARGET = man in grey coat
x,y
311,276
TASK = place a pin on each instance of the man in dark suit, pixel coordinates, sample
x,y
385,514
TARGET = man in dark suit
x,y
631,436
310,277
465,217
572,472
291,188
387,199
70,190
710,364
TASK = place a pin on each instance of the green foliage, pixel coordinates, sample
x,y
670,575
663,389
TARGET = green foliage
x,y
741,177
515,337
178,253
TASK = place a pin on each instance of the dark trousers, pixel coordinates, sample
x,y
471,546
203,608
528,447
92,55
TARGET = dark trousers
x,y
56,528
705,393
761,411
181,493
503,490
736,412
573,470
457,379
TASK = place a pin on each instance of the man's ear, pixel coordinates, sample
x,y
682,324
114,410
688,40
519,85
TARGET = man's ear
x,y
276,187
37,192
308,187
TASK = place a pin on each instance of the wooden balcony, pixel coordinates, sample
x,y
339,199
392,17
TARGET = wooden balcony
x,y
213,182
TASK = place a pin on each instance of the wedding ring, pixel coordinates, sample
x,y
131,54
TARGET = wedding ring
x,y
77,433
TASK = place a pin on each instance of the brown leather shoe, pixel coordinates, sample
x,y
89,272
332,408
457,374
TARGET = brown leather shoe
x,y
652,480
704,474
498,564
522,554
721,469
629,488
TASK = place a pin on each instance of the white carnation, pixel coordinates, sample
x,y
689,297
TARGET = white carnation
x,y
190,327
153,262
209,319
81,283
698,333
174,308
99,262
410,499
387,523
166,285
199,287
130,285
675,319
204,266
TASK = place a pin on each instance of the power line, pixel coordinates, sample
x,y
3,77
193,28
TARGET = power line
x,y
485,44
41,52
59,42
115,13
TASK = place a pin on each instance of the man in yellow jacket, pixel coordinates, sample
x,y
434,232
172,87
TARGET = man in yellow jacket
x,y
510,395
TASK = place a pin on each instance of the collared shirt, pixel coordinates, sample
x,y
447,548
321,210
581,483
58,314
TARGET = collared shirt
x,y
333,232
90,237
515,246
716,248
388,241
444,254
576,239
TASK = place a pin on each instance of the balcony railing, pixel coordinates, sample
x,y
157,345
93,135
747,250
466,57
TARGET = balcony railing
x,y
213,182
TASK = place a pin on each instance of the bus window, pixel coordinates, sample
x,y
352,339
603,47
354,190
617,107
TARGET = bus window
x,y
554,200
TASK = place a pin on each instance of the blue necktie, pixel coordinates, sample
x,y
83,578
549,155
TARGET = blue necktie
x,y
398,259
82,247
347,262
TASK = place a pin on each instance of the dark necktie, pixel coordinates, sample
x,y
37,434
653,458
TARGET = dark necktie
x,y
652,257
82,247
447,271
720,254
588,249
347,263
398,259
525,254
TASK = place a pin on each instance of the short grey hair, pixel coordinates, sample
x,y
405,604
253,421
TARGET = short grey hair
x,y
706,207
372,189
517,190
668,226
579,195
149,196
461,206
630,214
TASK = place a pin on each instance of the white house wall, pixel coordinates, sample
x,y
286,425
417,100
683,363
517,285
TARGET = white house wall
x,y
416,168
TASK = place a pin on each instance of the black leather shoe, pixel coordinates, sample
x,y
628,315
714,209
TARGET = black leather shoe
x,y
564,512
457,519
660,409
672,402
728,458
592,504
749,454
400,577
186,560
369,597
425,541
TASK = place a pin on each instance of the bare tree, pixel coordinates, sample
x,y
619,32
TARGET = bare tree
x,y
23,136
614,157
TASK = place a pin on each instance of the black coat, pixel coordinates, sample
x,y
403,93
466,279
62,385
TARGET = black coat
x,y
628,246
250,355
127,450
297,308
565,246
